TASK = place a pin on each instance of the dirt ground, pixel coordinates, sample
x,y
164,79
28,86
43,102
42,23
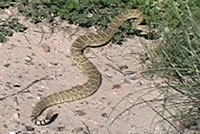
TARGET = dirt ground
x,y
37,63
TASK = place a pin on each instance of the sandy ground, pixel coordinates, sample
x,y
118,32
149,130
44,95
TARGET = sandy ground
x,y
37,63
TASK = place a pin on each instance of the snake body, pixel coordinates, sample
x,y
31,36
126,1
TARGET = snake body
x,y
81,61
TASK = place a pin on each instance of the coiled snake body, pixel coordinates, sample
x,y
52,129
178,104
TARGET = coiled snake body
x,y
94,76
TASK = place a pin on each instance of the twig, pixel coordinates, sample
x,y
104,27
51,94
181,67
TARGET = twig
x,y
24,89
27,39
129,94
87,128
42,37
130,107
164,118
115,69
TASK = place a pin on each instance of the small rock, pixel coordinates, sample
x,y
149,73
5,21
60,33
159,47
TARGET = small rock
x,y
45,48
39,96
16,85
5,125
28,59
80,112
54,63
123,67
33,54
60,128
6,65
117,86
105,115
16,116
29,128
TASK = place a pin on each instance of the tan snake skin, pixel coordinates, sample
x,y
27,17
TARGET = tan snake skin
x,y
94,76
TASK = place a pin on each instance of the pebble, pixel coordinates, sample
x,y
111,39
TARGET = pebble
x,y
29,128
46,48
117,86
28,59
16,116
105,115
6,65
16,85
61,128
123,67
80,112
5,125
38,97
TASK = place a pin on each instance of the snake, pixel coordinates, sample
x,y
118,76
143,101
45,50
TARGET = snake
x,y
93,83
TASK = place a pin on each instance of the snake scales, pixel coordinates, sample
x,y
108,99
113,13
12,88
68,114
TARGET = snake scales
x,y
94,76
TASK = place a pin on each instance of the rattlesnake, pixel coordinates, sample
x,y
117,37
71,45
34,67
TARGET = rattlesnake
x,y
94,76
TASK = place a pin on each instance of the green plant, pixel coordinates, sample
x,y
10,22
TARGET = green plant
x,y
178,59
7,27
85,13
